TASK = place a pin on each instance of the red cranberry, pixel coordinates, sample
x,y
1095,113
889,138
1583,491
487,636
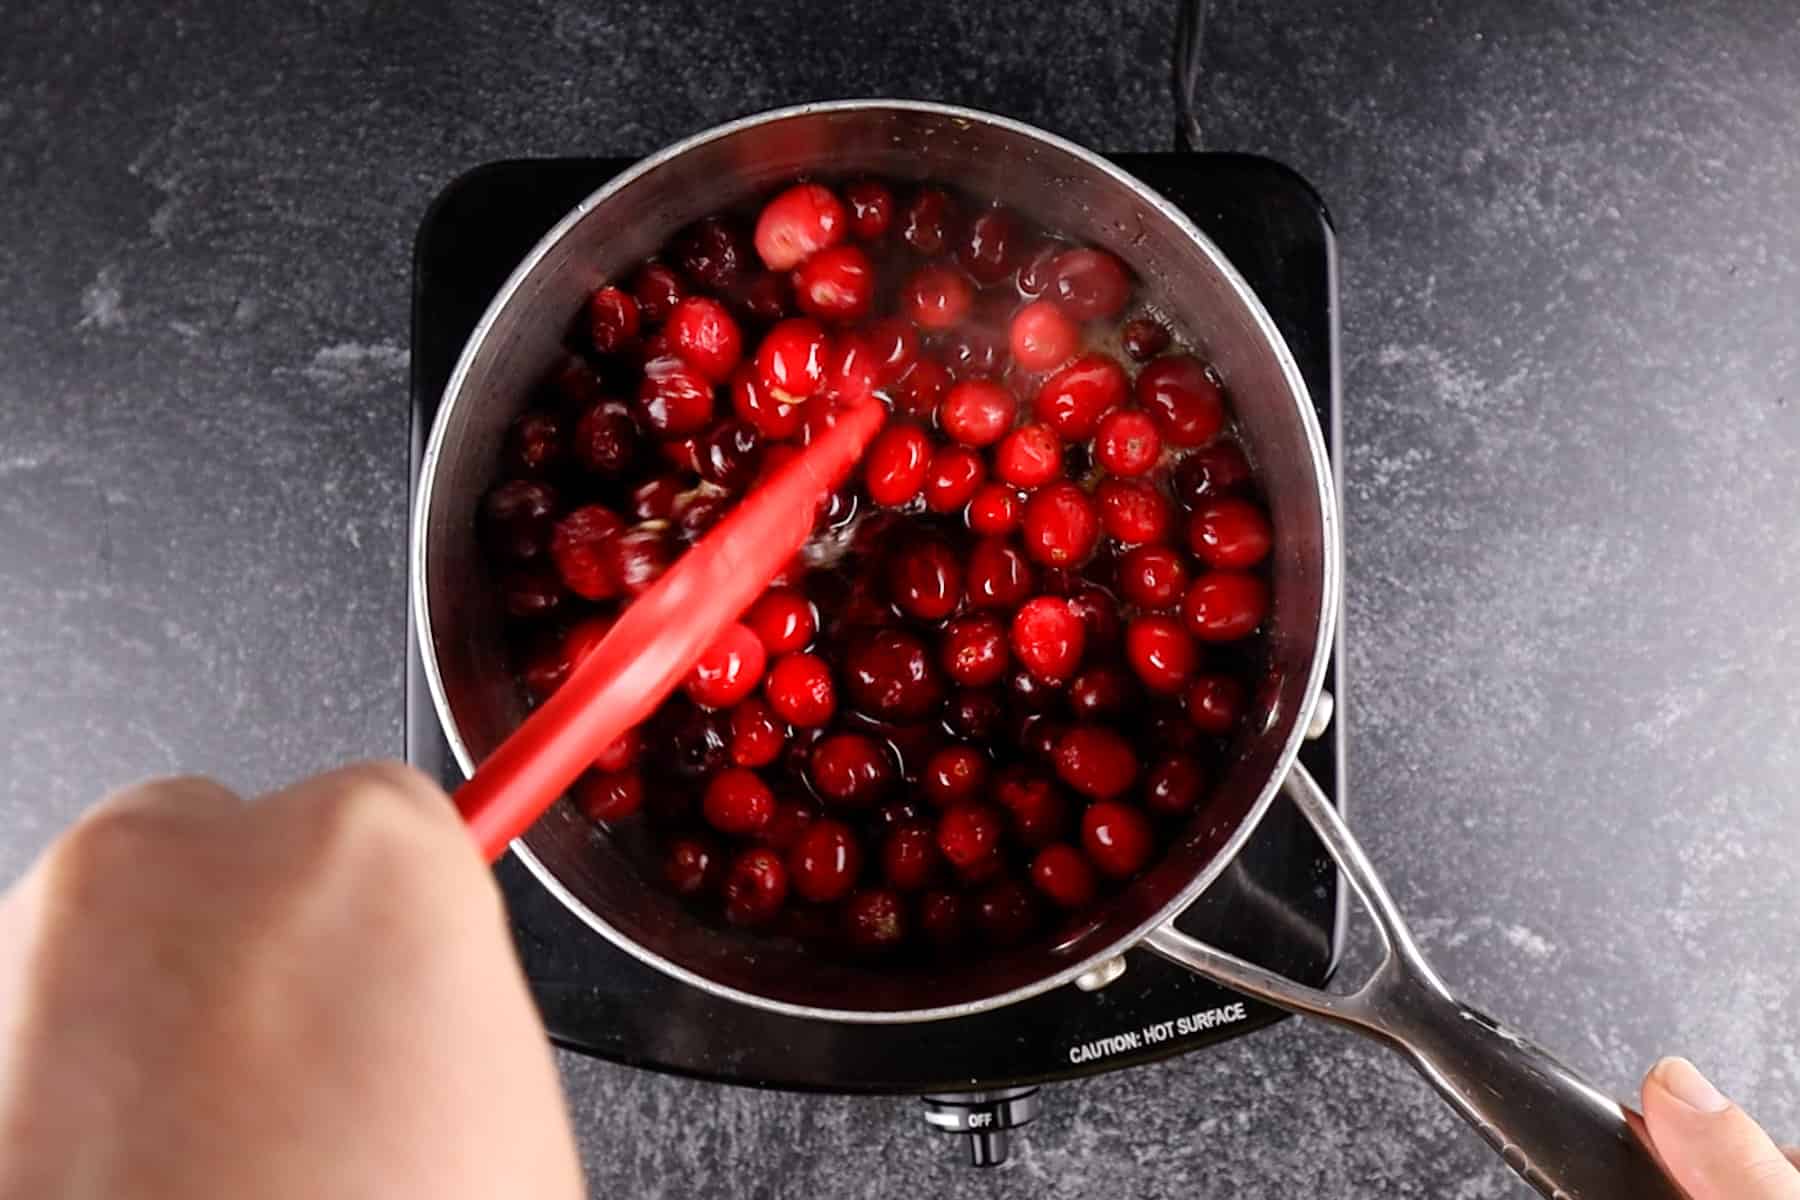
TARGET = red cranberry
x,y
534,443
1100,691
874,920
1184,399
977,412
1161,652
968,833
606,440
1132,512
729,670
1174,785
575,385
956,774
1127,442
943,918
998,575
613,320
974,650
1042,337
755,887
920,389
699,510
1090,284
925,580
824,861
1209,472
1060,526
1229,532
896,347
729,456
712,252
657,289
987,247
974,353
1006,912
693,866
909,857
1144,338
1036,271
797,224
1064,876
1116,837
1215,703
1048,638
937,298
767,297
654,499
791,820
929,221
850,769
517,518
895,467
1096,762
890,674
696,739
871,209
1153,577
704,336
609,795
1038,810
836,284
674,399
620,753
955,474
973,714
1098,612
580,548
790,363
784,619
738,802
994,510
637,558
1223,606
800,690
853,369
1029,457
1073,400
757,734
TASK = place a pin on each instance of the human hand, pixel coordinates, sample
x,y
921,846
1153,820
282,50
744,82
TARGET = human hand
x,y
1710,1145
312,995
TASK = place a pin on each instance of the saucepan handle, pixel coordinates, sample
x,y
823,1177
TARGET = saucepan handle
x,y
1564,1137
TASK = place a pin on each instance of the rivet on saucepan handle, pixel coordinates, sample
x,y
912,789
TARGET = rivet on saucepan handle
x,y
1102,974
1322,713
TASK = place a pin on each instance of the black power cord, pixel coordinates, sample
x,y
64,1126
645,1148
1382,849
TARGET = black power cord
x,y
1190,27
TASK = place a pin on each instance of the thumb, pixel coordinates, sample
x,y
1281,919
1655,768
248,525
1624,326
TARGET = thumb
x,y
1710,1145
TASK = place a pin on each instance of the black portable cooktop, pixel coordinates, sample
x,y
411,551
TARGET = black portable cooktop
x,y
1277,905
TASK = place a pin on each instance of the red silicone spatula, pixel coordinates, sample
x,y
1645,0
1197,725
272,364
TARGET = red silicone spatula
x,y
659,637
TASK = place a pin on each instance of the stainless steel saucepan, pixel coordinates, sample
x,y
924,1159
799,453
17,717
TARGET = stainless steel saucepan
x,y
1561,1134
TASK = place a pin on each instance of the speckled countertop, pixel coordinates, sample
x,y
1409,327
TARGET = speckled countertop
x,y
1571,287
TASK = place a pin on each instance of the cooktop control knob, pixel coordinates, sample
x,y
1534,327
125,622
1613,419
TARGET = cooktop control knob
x,y
985,1119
